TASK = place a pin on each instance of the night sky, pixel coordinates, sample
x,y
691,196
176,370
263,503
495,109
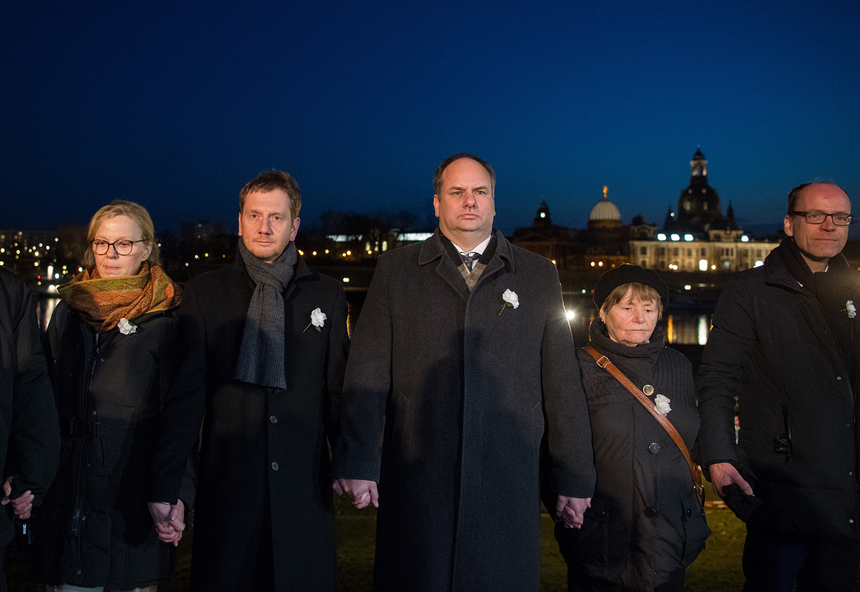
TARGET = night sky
x,y
176,104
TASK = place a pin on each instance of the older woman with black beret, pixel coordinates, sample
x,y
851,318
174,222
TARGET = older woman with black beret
x,y
646,523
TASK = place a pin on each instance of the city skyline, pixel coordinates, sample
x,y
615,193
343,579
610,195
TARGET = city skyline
x,y
176,106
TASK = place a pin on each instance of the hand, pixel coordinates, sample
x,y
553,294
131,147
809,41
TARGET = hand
x,y
22,506
571,510
723,474
363,493
169,521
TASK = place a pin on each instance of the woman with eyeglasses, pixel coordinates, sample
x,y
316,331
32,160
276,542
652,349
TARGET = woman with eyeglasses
x,y
102,525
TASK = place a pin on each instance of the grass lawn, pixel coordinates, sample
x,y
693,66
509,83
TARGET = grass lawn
x,y
718,568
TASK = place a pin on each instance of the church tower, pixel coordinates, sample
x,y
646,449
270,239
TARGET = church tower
x,y
699,207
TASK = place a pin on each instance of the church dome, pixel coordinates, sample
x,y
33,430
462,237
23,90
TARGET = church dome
x,y
604,210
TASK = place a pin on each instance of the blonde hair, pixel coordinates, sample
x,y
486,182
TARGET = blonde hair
x,y
272,181
137,213
641,292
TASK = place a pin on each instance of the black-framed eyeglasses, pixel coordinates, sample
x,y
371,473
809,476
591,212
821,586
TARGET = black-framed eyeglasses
x,y
122,247
818,217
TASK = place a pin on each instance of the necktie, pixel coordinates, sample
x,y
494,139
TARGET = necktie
x,y
469,259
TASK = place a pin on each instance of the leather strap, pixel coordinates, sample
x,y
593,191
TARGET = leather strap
x,y
606,364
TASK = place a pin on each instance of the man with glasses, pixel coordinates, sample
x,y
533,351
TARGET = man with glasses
x,y
785,344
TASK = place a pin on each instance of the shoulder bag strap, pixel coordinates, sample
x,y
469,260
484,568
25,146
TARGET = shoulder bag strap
x,y
607,365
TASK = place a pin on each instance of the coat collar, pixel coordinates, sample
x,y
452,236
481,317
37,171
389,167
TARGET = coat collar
x,y
301,273
434,250
779,274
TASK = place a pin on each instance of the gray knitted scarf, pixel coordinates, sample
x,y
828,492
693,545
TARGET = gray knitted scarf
x,y
261,357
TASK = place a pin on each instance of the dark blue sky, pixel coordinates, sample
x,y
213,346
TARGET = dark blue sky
x,y
176,104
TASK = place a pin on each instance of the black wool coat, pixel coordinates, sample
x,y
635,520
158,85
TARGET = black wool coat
x,y
645,520
263,480
94,528
445,406
773,348
29,434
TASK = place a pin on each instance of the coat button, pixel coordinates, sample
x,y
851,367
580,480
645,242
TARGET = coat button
x,y
838,378
273,419
689,512
654,448
651,512
274,466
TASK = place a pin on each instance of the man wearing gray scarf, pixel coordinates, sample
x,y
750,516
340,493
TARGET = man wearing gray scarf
x,y
261,358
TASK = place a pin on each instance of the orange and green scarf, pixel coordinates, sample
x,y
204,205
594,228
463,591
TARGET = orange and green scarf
x,y
102,302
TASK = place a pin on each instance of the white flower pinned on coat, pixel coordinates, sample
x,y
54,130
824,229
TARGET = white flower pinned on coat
x,y
850,309
318,319
126,327
661,404
511,299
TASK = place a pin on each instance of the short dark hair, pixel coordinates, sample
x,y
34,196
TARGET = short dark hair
x,y
795,193
270,181
437,176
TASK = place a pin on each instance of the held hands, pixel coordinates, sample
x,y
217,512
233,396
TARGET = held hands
x,y
723,474
169,521
571,510
363,493
22,505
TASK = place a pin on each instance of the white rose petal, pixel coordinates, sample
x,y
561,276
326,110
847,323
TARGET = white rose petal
x,y
661,404
852,310
125,327
318,318
511,298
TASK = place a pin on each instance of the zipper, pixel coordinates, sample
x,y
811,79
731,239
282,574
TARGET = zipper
x,y
852,394
81,475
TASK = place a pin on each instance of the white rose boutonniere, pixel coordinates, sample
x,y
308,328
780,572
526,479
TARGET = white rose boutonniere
x,y
126,327
661,404
511,299
318,319
850,309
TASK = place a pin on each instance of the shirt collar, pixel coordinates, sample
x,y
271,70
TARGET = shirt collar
x,y
479,249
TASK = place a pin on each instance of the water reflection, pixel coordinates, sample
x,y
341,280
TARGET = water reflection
x,y
45,306
687,329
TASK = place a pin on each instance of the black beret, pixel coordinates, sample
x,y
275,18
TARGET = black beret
x,y
626,274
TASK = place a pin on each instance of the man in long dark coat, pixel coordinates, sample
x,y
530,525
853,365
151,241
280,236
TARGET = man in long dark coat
x,y
29,430
462,362
265,346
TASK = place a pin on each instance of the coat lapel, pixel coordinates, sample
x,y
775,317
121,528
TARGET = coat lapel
x,y
302,271
503,258
433,250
